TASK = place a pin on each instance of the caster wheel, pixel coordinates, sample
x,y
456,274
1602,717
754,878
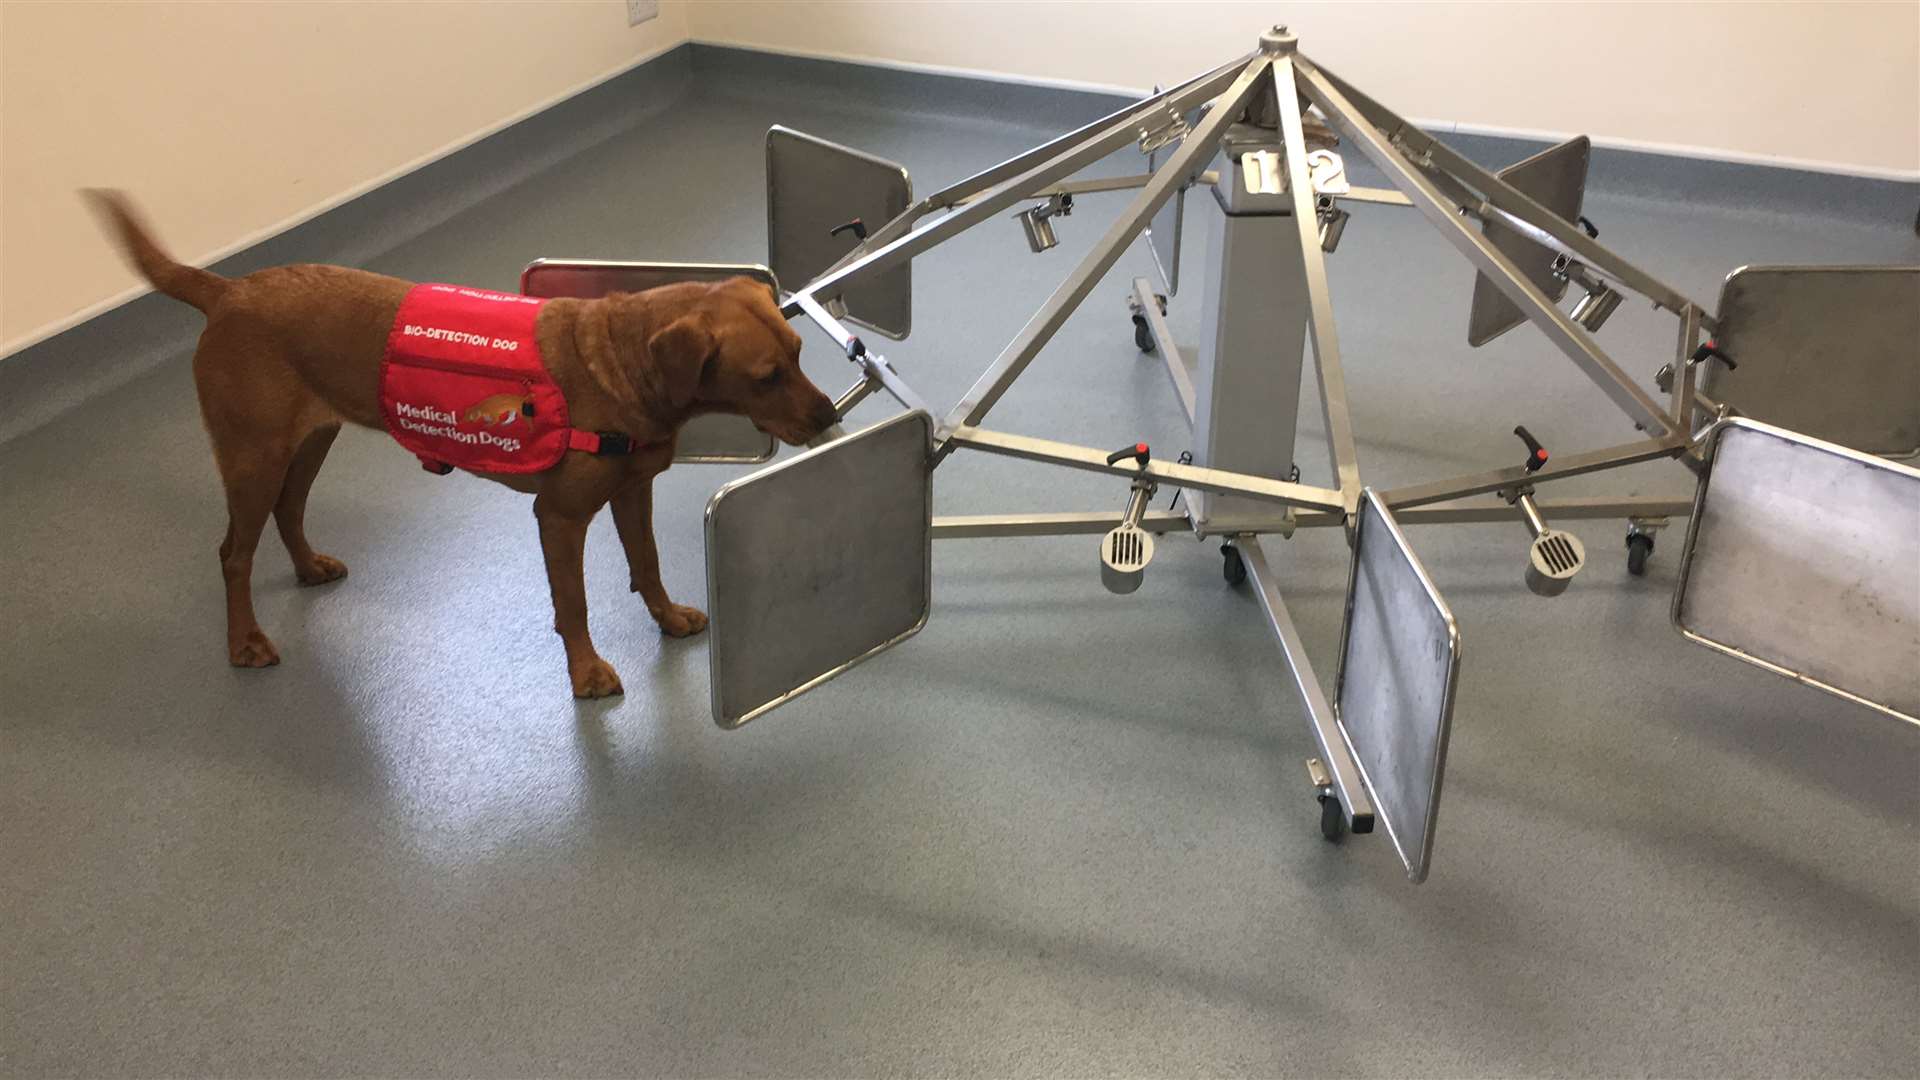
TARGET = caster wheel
x,y
1639,546
1142,335
1332,825
1234,568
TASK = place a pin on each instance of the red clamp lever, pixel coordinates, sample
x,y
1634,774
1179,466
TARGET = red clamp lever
x,y
1536,454
1138,452
1712,349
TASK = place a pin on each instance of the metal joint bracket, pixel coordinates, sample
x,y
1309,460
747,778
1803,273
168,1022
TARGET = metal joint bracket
x,y
1157,132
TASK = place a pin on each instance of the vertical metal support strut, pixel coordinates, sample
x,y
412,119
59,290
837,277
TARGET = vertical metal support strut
x,y
1040,329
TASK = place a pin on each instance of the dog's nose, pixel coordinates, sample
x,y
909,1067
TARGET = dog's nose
x,y
824,415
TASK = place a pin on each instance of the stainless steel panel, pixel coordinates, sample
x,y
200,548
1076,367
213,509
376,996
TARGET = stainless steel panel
x,y
1393,694
1803,557
1830,351
715,438
818,563
815,186
1557,179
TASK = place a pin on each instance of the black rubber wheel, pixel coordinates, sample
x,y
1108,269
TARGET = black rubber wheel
x,y
1233,567
1333,825
1142,334
1638,548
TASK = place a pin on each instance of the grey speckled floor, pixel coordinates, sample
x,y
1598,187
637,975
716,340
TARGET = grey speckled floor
x,y
1059,833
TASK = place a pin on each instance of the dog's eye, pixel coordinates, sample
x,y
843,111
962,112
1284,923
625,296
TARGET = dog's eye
x,y
773,377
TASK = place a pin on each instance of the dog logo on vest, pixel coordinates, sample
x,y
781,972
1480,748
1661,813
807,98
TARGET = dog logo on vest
x,y
498,410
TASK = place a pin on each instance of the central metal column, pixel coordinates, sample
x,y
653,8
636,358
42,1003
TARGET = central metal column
x,y
1247,385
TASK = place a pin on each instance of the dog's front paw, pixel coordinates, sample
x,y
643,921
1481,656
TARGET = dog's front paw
x,y
679,620
322,569
252,651
594,679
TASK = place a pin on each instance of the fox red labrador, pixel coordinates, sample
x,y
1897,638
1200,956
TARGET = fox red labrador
x,y
291,352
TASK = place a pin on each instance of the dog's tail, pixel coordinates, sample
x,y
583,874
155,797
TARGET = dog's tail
x,y
198,287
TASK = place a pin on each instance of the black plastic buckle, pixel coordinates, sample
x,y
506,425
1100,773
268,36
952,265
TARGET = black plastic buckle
x,y
613,443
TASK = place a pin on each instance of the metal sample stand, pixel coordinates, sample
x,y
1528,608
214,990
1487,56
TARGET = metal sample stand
x,y
1278,200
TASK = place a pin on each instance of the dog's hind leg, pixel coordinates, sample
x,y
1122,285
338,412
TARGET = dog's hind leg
x,y
252,476
257,413
290,512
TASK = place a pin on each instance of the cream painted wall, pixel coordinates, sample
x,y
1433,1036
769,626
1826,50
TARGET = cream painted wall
x,y
234,119
1825,85
231,120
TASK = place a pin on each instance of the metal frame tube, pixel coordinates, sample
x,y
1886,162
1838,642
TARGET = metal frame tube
x,y
826,321
1536,523
1110,135
1512,207
1481,512
1382,196
1572,509
995,381
1320,327
1683,369
1184,476
1177,99
1565,334
971,189
987,526
855,394
1096,186
901,225
1355,802
1558,468
843,405
876,367
1617,271
1176,364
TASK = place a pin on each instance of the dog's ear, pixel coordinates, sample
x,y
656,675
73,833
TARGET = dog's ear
x,y
677,356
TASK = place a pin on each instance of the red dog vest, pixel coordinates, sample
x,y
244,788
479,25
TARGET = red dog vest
x,y
463,385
